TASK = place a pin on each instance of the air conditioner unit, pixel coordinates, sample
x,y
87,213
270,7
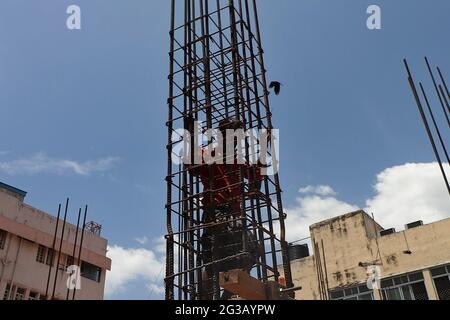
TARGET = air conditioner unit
x,y
413,225
387,232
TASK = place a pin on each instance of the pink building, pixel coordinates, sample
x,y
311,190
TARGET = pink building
x,y
26,238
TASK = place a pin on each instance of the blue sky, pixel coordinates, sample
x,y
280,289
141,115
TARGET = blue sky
x,y
97,97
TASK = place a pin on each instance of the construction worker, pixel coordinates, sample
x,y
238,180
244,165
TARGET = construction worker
x,y
224,236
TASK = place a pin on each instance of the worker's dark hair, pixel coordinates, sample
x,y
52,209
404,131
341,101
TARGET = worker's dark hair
x,y
230,124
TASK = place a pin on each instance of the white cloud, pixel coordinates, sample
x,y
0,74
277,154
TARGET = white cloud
x,y
141,240
130,264
403,194
312,209
319,190
155,289
160,244
410,192
42,163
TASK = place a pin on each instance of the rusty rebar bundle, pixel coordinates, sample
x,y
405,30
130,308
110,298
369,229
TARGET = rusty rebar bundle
x,y
217,73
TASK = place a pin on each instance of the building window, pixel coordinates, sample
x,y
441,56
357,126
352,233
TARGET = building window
x,y
45,255
40,257
7,291
33,296
50,257
405,287
2,239
441,278
90,271
353,293
20,294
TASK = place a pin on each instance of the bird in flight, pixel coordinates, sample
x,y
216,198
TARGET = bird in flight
x,y
276,86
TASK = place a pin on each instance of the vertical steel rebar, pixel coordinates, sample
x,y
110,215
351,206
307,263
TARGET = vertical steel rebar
x,y
74,248
60,248
436,127
447,104
425,122
79,261
282,217
53,250
169,288
325,270
444,83
437,90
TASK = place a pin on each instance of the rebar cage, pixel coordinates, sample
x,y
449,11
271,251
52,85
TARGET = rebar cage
x,y
217,73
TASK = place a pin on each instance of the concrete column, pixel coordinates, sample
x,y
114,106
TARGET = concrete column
x,y
429,284
2,289
27,294
12,293
377,294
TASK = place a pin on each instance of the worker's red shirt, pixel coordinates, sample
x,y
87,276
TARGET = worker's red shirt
x,y
225,179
